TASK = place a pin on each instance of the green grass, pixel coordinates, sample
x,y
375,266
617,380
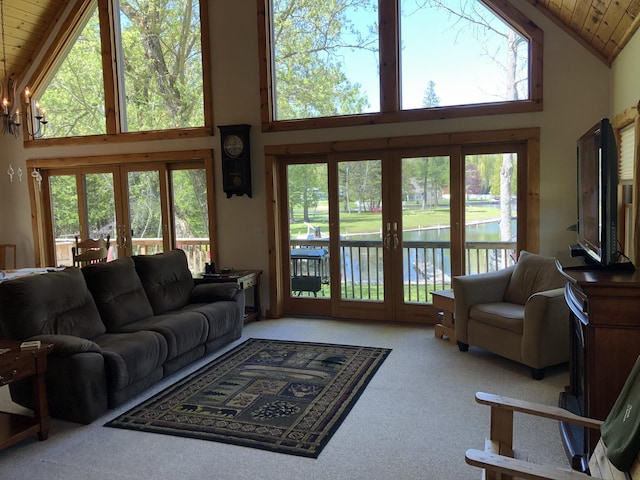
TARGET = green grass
x,y
413,217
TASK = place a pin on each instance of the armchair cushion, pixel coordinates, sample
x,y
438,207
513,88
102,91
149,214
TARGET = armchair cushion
x,y
533,273
508,316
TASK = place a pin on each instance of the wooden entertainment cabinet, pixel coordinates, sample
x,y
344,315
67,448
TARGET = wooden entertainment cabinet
x,y
605,343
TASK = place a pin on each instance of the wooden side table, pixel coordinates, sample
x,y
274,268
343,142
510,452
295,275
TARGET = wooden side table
x,y
246,279
18,365
443,301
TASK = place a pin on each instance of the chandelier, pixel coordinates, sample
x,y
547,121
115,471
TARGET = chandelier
x,y
34,116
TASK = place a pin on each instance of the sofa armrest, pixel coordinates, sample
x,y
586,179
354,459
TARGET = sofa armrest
x,y
469,290
545,331
67,345
214,292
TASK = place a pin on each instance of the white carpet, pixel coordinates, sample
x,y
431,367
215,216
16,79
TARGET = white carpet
x,y
414,421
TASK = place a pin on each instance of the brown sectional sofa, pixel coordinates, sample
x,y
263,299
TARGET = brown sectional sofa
x,y
117,328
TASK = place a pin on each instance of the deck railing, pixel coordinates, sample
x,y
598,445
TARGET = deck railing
x,y
198,250
426,266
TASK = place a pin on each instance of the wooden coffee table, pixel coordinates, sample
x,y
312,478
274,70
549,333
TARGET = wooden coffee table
x,y
18,365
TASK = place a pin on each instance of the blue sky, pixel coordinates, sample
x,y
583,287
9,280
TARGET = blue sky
x,y
436,48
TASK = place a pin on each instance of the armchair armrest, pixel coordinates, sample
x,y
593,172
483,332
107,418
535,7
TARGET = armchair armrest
x,y
545,331
498,454
537,409
520,468
67,345
469,290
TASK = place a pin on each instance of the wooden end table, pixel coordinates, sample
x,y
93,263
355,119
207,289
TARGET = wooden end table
x,y
245,279
443,300
15,365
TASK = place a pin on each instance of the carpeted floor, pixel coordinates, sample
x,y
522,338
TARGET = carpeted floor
x,y
420,432
281,396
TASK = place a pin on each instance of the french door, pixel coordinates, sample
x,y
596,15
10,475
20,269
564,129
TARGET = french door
x,y
354,234
143,208
371,234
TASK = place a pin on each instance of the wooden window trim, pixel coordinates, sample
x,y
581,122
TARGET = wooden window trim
x,y
389,76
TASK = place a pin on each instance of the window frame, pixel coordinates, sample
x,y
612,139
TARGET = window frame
x,y
390,110
107,12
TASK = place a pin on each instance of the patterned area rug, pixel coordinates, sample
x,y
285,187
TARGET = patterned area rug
x,y
282,396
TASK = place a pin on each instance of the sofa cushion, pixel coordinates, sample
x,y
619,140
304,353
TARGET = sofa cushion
x,y
507,316
118,293
223,316
49,303
533,273
166,279
130,357
183,331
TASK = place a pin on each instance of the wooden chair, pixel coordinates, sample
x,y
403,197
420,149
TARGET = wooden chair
x,y
8,253
498,460
90,251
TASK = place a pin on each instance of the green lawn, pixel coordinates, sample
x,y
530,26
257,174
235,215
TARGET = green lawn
x,y
413,218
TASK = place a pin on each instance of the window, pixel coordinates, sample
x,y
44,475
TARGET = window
x,y
325,58
149,77
353,62
162,64
74,96
459,54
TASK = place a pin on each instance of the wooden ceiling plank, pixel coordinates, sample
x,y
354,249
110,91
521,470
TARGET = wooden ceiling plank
x,y
573,32
579,16
607,25
627,27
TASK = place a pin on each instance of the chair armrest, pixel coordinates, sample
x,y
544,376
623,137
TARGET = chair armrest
x,y
469,290
545,331
68,345
520,468
537,409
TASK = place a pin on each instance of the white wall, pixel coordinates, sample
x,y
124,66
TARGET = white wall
x,y
625,77
571,76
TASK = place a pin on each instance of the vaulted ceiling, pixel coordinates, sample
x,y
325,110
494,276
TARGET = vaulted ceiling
x,y
602,26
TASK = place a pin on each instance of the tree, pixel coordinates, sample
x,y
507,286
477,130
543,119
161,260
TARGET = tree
x,y
484,23
430,98
161,60
307,39
305,184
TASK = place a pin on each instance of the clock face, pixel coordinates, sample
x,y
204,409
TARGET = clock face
x,y
233,146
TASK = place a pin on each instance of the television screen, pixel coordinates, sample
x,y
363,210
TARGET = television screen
x,y
598,193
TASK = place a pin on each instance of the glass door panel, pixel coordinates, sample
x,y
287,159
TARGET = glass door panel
x,y
145,212
101,209
308,214
426,232
65,216
191,216
360,229
490,211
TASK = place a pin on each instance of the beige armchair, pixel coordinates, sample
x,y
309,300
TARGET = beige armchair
x,y
518,313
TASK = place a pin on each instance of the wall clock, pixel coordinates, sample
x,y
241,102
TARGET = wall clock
x,y
236,159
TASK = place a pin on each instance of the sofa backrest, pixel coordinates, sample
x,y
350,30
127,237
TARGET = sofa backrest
x,y
49,303
118,292
166,279
533,273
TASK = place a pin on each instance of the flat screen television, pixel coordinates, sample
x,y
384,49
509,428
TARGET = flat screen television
x,y
598,195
